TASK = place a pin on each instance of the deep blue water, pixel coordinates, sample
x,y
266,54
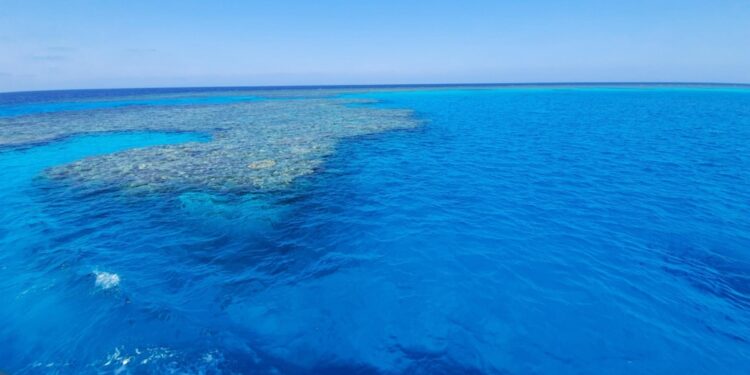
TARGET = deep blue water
x,y
517,231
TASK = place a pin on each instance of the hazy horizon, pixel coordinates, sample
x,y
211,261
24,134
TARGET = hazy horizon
x,y
387,85
92,45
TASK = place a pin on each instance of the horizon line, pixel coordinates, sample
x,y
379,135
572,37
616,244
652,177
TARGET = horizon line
x,y
393,85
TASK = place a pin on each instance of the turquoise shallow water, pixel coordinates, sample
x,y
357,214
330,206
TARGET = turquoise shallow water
x,y
577,230
19,108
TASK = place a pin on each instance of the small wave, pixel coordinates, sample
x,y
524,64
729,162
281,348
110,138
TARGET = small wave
x,y
106,280
160,360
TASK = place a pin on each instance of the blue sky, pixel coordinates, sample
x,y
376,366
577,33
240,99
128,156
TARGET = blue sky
x,y
146,43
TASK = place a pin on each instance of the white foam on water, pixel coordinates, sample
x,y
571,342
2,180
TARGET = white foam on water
x,y
106,280
160,360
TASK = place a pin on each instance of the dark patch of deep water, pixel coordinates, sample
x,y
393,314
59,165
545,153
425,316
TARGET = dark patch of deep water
x,y
518,231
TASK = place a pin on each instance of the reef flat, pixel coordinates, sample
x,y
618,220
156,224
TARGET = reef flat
x,y
258,144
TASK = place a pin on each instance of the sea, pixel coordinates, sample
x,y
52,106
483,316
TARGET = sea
x,y
461,229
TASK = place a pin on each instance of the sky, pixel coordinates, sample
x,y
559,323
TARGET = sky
x,y
167,43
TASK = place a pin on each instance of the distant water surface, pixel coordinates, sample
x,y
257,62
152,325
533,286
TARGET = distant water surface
x,y
425,230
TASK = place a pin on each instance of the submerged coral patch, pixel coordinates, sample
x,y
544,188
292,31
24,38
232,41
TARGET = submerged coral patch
x,y
254,145
262,164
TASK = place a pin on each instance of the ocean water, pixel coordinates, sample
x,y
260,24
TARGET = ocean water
x,y
25,108
425,230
